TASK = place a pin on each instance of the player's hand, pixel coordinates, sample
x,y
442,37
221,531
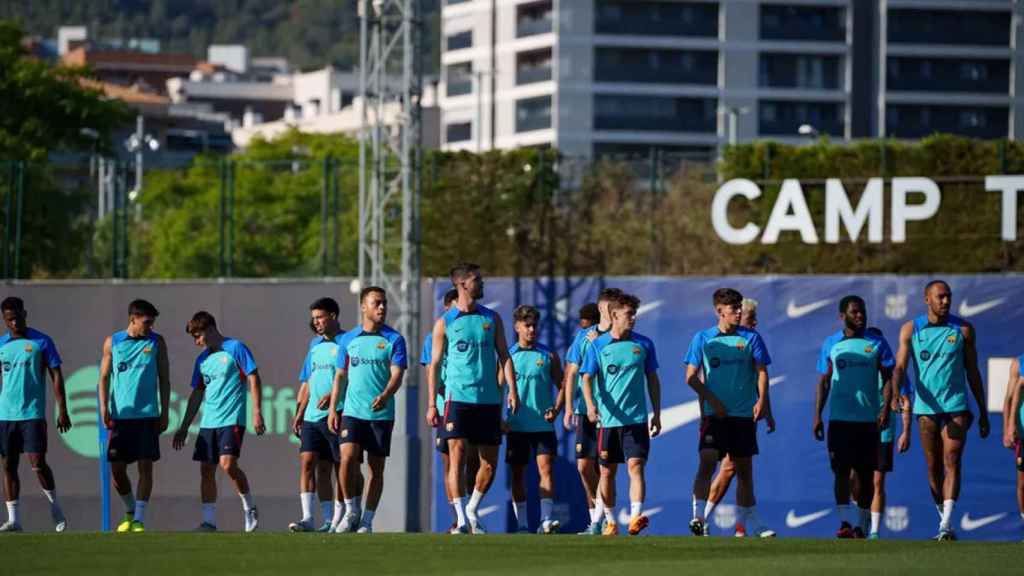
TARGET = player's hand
x,y
655,425
323,402
983,425
549,415
567,420
592,414
379,403
333,422
1010,437
297,425
513,402
770,421
432,419
883,419
179,438
63,421
257,423
819,429
165,422
108,422
760,409
903,442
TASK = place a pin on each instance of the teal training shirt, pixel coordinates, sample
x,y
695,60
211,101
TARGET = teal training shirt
x,y
619,369
856,364
23,387
729,362
581,342
318,373
471,359
938,353
223,372
367,357
134,384
426,355
535,387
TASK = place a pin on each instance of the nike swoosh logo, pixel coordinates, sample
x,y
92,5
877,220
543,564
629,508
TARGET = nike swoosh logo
x,y
969,310
682,414
649,307
794,311
624,514
794,521
493,305
967,523
487,510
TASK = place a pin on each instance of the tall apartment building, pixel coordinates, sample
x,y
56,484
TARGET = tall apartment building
x,y
619,76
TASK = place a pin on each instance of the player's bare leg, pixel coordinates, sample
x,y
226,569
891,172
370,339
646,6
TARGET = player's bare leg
x,y
637,495
484,478
229,464
702,490
45,475
456,481
745,499
546,488
719,487
606,488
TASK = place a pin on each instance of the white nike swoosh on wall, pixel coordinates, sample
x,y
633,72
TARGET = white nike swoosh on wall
x,y
967,523
649,307
794,521
969,310
795,311
682,414
493,305
487,510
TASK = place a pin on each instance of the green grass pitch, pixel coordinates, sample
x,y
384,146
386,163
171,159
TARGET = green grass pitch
x,y
280,554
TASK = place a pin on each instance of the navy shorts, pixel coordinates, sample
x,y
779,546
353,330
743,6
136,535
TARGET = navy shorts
x,y
373,436
22,436
621,443
586,438
478,423
317,438
732,435
522,445
212,443
853,445
134,439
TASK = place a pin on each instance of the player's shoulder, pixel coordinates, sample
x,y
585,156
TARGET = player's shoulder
x,y
391,335
706,334
748,334
486,312
960,323
38,335
346,337
451,315
315,340
543,349
832,339
641,339
118,337
602,340
514,349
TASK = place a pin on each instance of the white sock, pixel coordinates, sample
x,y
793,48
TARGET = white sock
x,y
140,510
307,499
865,516
12,512
51,495
547,505
596,516
709,509
474,503
609,514
635,508
699,506
368,517
351,508
247,503
129,502
460,513
876,522
947,514
210,514
519,508
598,509
339,511
326,510
938,508
844,513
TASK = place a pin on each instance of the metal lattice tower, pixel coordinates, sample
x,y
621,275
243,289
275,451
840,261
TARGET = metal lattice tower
x,y
390,82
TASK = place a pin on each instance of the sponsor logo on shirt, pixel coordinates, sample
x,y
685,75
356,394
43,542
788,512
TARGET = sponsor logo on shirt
x,y
357,361
926,355
122,366
613,369
316,366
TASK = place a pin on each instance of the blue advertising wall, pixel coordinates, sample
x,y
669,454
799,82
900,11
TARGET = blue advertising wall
x,y
792,475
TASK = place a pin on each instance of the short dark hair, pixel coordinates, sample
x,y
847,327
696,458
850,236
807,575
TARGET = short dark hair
x,y
525,313
609,295
845,302
450,296
327,304
625,301
727,297
140,307
12,303
370,290
461,270
590,312
928,287
200,322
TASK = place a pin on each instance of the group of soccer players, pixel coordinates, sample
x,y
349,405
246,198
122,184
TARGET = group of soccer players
x,y
345,411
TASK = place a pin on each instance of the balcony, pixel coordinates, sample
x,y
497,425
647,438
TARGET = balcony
x,y
948,75
533,19
807,23
533,67
533,114
618,17
655,66
957,27
784,118
654,113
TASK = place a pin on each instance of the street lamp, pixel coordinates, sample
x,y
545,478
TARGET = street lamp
x,y
734,112
137,143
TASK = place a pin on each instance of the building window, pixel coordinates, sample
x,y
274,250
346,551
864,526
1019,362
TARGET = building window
x,y
458,132
919,121
533,114
957,27
460,40
644,18
799,71
817,23
928,74
654,113
784,118
459,79
655,65
533,66
532,19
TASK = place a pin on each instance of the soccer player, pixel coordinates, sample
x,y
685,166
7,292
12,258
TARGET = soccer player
x,y
1013,424
319,453
371,363
576,408
135,393
850,364
217,386
942,349
531,429
589,314
726,471
734,390
619,368
27,355
470,339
